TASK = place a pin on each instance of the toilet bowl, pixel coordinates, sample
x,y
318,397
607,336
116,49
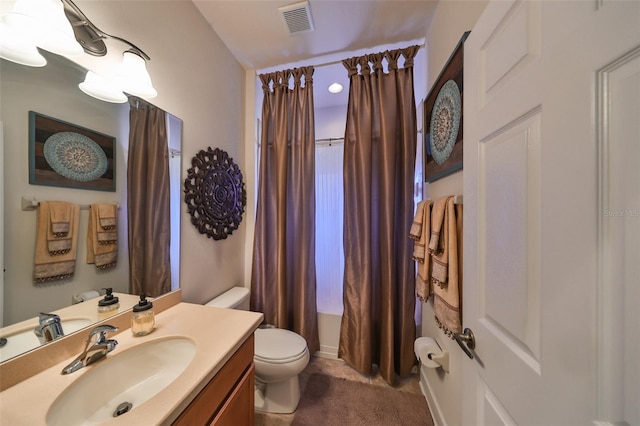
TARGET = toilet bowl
x,y
280,356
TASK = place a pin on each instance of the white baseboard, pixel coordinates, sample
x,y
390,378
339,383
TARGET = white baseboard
x,y
327,352
432,402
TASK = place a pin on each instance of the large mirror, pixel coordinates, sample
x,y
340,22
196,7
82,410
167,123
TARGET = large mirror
x,y
53,91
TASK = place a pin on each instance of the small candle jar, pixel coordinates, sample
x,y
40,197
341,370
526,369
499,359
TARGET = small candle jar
x,y
142,319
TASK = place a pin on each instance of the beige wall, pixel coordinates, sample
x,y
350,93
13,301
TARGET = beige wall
x,y
451,20
199,81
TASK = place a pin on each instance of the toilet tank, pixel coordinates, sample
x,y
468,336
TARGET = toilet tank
x,y
234,298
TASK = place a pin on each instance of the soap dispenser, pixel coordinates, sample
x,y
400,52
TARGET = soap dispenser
x,y
142,319
109,302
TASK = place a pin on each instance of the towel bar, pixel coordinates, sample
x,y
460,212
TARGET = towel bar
x,y
32,204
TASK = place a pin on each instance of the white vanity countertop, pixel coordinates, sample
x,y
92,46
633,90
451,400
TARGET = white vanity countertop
x,y
217,332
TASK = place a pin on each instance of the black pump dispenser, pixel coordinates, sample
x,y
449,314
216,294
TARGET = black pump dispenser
x,y
143,304
142,318
109,299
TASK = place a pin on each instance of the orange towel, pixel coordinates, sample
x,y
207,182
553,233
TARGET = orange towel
x,y
50,266
102,246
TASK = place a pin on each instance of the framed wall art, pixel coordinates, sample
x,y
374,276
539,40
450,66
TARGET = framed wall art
x,y
442,120
66,155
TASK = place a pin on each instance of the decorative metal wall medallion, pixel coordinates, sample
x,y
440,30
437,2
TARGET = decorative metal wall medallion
x,y
214,193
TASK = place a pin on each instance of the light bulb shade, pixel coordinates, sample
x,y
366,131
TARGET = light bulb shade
x,y
102,88
15,47
133,78
46,24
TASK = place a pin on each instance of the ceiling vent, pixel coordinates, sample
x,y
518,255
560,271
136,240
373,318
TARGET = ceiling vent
x,y
297,17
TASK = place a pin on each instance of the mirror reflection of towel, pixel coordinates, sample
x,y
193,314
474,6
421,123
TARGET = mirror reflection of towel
x,y
59,216
59,263
58,238
102,245
107,214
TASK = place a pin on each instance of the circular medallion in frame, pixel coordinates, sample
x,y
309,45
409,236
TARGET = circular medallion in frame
x,y
445,121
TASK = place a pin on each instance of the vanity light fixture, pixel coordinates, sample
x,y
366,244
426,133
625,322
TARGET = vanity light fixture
x,y
16,47
40,23
60,27
335,88
102,88
133,77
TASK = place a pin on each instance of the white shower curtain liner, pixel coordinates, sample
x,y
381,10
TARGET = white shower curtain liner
x,y
329,212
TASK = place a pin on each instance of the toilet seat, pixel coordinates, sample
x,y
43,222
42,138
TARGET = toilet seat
x,y
278,346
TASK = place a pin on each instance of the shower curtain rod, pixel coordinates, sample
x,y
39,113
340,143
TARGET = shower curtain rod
x,y
322,64
328,141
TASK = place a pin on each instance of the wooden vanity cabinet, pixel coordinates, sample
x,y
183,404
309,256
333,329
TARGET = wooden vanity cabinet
x,y
229,397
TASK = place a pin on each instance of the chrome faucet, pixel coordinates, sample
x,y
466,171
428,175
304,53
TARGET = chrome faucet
x,y
94,350
49,328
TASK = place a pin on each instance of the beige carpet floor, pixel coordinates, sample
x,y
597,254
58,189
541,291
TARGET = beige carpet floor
x,y
334,393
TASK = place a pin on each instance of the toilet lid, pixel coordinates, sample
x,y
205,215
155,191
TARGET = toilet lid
x,y
278,345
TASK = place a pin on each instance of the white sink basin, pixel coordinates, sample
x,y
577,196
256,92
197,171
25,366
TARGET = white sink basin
x,y
23,340
132,376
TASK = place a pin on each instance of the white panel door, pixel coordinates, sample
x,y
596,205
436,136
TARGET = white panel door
x,y
2,225
543,160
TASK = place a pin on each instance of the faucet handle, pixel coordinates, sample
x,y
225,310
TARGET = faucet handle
x,y
49,327
46,319
102,331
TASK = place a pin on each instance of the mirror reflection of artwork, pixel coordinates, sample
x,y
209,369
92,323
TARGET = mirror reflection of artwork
x,y
442,120
75,156
214,193
65,155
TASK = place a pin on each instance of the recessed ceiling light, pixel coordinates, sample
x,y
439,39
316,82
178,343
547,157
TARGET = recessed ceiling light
x,y
335,88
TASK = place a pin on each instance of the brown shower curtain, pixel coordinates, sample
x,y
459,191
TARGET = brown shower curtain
x,y
148,200
378,325
283,281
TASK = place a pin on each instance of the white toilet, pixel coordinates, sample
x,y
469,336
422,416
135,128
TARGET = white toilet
x,y
280,356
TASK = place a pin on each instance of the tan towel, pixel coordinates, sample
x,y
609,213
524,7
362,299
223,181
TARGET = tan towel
x,y
58,238
102,246
416,233
437,221
416,226
438,241
445,274
48,267
423,221
107,214
60,216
